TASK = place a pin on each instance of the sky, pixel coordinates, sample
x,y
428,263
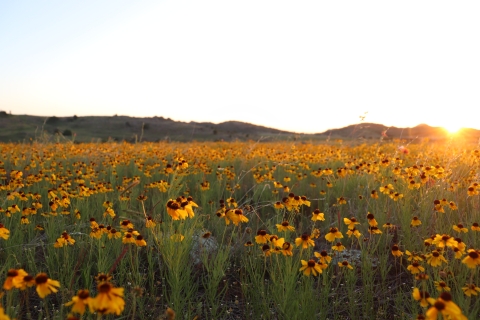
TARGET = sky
x,y
302,66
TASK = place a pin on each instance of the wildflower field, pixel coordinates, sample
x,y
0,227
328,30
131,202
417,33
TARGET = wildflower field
x,y
240,230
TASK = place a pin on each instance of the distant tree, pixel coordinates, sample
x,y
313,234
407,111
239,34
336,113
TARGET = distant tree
x,y
67,132
52,120
3,114
75,117
146,126
128,124
215,131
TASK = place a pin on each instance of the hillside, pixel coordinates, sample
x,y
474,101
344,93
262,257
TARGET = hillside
x,y
18,128
375,131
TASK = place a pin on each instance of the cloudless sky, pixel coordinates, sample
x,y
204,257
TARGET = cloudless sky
x,y
303,66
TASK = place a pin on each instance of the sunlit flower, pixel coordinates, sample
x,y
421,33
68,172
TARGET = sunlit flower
x,y
472,260
109,299
470,290
374,230
423,297
333,234
80,302
350,222
415,268
441,286
236,216
435,259
475,226
445,306
311,267
396,251
150,223
460,228
4,232
415,222
317,215
444,240
45,286
345,264
371,220
261,237
338,247
354,232
287,249
14,276
304,241
323,257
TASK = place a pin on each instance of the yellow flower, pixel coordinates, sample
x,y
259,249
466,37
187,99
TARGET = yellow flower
x,y
371,220
261,237
441,286
80,302
423,297
236,216
354,232
13,277
460,228
175,210
452,205
323,257
350,222
278,205
470,290
445,306
311,267
435,259
266,250
304,241
415,222
287,249
374,230
150,222
415,268
109,299
475,226
232,203
333,234
140,242
396,251
345,264
338,247
317,215
442,241
45,286
285,226
4,232
472,260
3,316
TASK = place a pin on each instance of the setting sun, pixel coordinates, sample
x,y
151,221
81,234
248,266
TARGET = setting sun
x,y
452,128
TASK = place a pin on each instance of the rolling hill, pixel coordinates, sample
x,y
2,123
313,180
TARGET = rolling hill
x,y
25,128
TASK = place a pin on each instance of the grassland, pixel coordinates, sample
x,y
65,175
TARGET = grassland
x,y
240,230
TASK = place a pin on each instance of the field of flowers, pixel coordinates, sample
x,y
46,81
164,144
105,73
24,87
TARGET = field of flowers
x,y
217,230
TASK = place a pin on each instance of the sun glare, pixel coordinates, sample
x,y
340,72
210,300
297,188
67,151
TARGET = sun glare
x,y
452,128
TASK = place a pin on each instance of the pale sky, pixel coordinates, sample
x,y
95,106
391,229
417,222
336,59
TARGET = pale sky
x,y
303,66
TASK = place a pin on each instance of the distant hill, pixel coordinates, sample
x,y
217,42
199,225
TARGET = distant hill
x,y
15,128
375,131
24,128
